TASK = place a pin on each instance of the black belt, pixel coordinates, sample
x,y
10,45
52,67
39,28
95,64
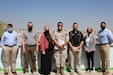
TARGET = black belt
x,y
104,44
30,45
10,46
75,45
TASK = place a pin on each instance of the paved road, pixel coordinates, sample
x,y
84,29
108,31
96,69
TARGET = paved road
x,y
66,73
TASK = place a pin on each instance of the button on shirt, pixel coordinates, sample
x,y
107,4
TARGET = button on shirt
x,y
10,39
105,36
30,37
63,35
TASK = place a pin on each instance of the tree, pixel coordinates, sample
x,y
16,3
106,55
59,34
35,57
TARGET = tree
x,y
2,28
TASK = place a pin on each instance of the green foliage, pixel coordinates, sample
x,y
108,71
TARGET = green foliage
x,y
2,28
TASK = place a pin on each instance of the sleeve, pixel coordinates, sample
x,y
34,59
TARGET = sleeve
x,y
42,42
36,35
67,37
2,40
17,39
94,42
70,36
53,35
110,37
85,46
82,37
23,36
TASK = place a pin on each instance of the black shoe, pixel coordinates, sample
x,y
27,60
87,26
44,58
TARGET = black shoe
x,y
5,73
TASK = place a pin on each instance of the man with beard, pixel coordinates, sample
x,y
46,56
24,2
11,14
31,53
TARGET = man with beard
x,y
61,39
105,39
76,42
30,48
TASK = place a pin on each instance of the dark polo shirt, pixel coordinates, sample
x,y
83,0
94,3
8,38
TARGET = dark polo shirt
x,y
75,37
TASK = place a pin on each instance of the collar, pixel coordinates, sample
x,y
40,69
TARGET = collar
x,y
9,32
104,29
60,31
74,31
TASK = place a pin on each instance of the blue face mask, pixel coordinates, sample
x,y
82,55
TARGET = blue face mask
x,y
10,30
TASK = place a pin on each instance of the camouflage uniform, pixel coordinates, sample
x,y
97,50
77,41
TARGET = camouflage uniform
x,y
60,55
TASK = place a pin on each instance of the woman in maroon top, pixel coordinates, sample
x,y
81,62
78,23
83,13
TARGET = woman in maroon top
x,y
46,51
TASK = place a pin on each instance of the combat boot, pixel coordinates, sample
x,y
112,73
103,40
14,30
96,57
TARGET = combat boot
x,y
57,71
62,70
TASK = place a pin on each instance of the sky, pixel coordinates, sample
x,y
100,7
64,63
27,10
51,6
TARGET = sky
x,y
87,13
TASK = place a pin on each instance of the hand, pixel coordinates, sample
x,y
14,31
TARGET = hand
x,y
60,46
79,48
24,51
43,52
88,51
36,50
76,50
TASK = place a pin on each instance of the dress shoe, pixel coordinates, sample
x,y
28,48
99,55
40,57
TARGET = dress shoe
x,y
5,73
14,73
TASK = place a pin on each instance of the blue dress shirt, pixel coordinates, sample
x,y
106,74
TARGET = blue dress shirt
x,y
10,39
105,36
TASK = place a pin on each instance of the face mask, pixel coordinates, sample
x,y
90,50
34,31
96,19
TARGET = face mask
x,y
89,32
75,29
46,31
10,30
59,28
30,28
103,28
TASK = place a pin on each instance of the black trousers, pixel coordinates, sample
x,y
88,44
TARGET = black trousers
x,y
90,57
46,62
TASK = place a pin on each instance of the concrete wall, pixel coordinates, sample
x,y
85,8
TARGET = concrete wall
x,y
20,59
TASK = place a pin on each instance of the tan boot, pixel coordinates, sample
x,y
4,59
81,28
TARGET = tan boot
x,y
57,71
62,71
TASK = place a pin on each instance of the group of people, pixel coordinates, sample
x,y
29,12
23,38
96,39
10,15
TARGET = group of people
x,y
57,44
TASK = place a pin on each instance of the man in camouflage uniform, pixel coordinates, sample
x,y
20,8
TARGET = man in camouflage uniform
x,y
61,39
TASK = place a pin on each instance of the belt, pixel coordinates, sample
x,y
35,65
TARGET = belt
x,y
104,44
10,46
30,45
75,45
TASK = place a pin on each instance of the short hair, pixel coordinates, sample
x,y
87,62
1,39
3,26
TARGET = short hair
x,y
75,23
103,23
10,25
30,22
46,26
59,22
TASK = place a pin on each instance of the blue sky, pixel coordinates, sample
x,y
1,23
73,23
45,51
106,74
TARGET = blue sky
x,y
88,13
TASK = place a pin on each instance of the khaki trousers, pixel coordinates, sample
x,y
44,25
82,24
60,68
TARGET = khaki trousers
x,y
75,57
60,57
104,51
10,53
30,54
